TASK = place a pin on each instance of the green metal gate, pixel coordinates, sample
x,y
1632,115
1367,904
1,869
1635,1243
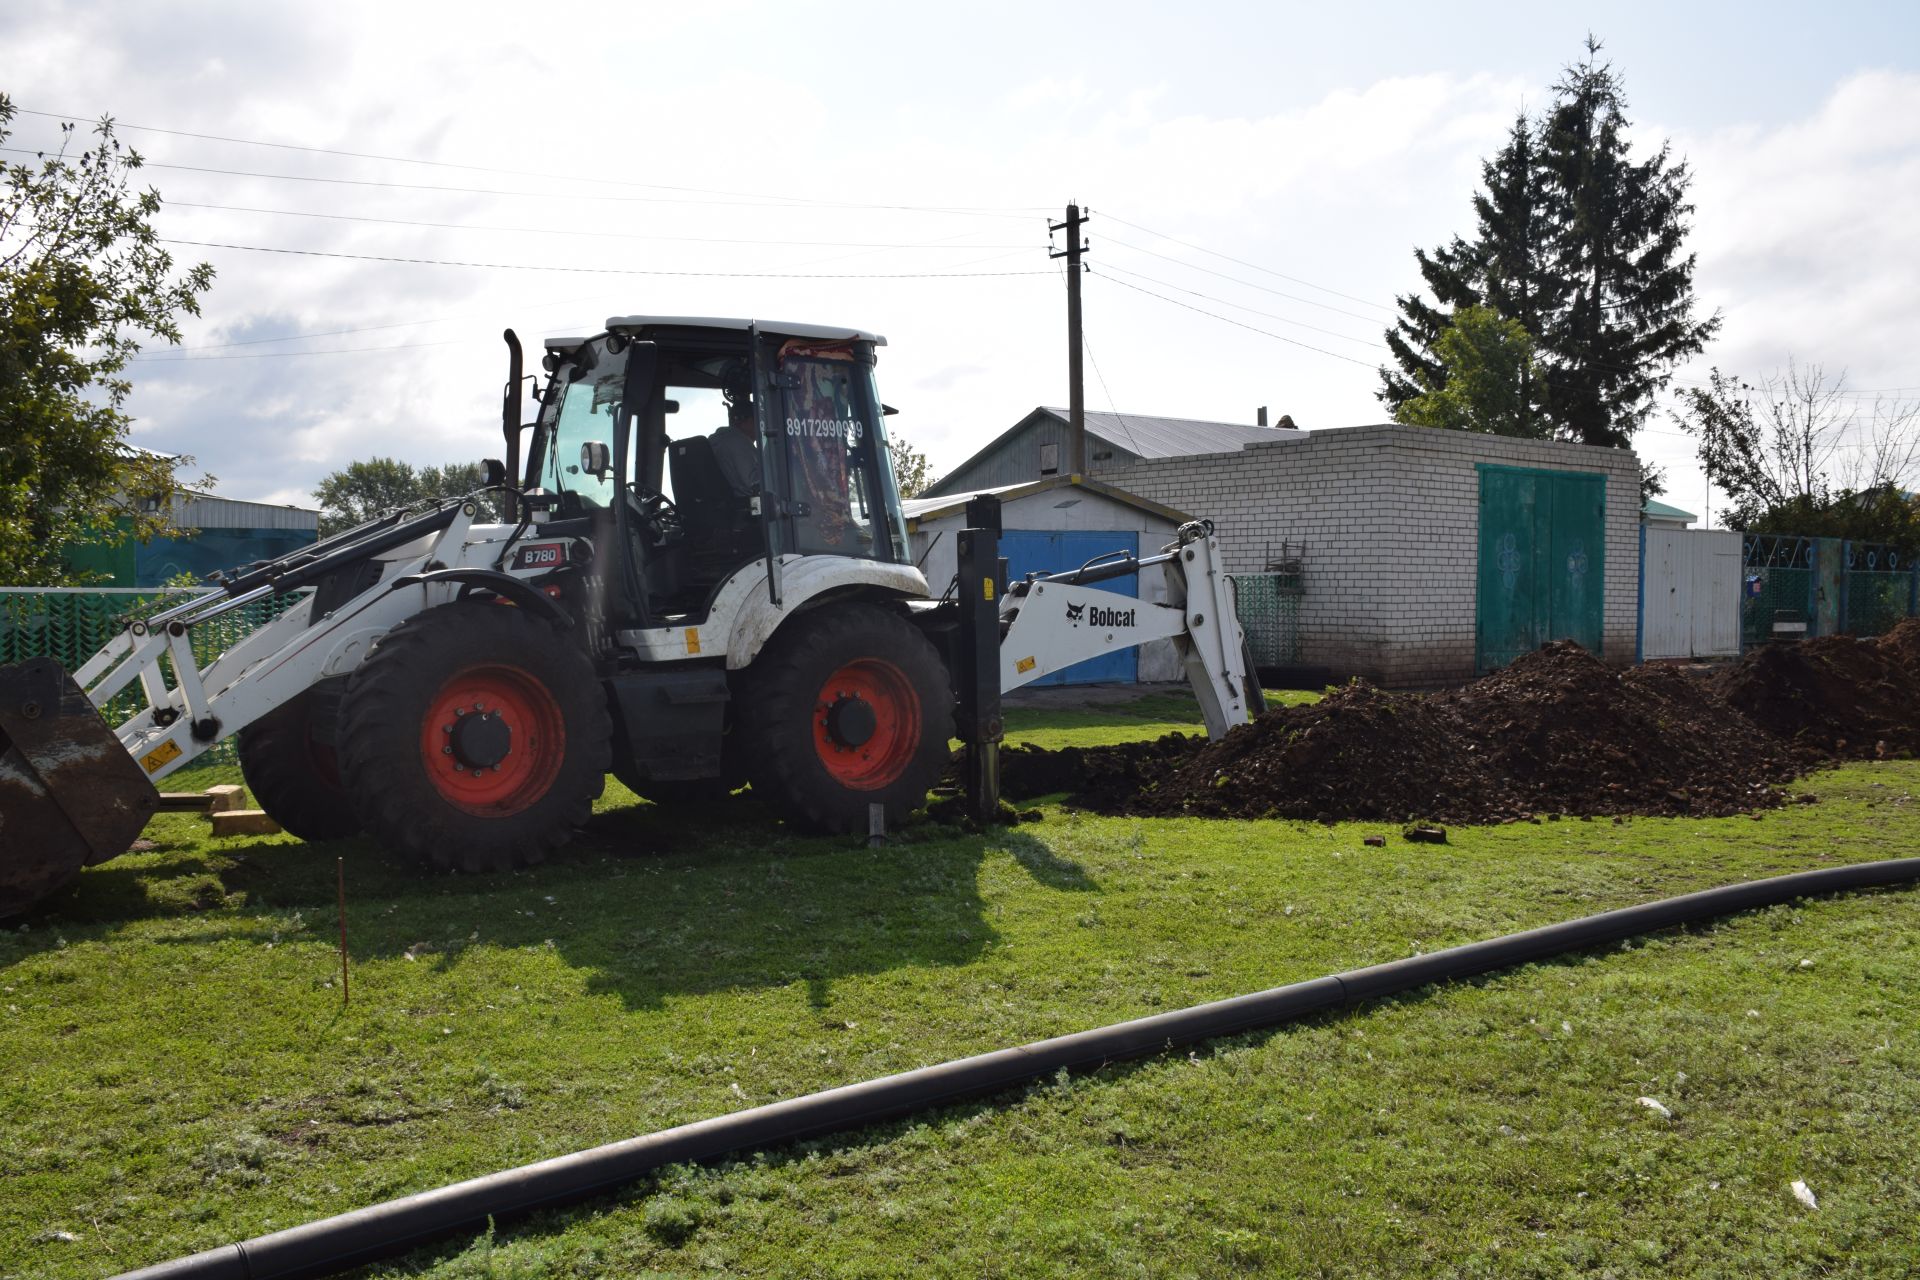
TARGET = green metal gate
x,y
1542,561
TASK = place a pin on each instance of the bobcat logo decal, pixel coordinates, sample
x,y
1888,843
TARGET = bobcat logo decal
x,y
1074,611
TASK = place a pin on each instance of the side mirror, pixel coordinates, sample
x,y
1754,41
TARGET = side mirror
x,y
596,460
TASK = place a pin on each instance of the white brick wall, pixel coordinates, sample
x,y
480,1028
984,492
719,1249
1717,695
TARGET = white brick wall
x,y
1390,518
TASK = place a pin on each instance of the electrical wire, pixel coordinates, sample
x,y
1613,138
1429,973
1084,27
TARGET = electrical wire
x,y
1331,333
605,235
1278,293
288,355
612,271
474,168
567,195
1230,320
1280,275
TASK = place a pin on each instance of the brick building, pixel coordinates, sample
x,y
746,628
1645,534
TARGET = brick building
x,y
1429,555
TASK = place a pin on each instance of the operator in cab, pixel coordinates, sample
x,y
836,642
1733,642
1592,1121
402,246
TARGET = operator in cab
x,y
733,445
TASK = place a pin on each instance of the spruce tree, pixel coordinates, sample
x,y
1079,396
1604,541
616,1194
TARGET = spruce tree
x,y
1581,246
1618,227
1502,267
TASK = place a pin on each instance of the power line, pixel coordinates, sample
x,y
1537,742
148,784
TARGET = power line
x,y
1230,320
1278,293
474,168
611,271
288,355
1347,337
1280,275
758,203
605,235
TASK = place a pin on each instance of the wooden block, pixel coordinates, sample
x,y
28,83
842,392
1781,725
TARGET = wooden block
x,y
244,822
226,799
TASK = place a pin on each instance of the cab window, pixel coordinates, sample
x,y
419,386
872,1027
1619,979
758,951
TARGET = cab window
x,y
583,414
829,436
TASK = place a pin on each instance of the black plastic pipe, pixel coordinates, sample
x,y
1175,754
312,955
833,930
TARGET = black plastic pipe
x,y
333,1244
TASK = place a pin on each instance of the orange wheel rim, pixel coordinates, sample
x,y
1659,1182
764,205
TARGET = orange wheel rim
x,y
492,740
866,724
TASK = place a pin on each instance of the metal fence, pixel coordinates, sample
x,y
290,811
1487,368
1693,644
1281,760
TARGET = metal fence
x,y
70,625
1269,608
1877,589
1795,588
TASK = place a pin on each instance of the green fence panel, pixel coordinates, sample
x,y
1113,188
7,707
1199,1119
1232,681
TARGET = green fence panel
x,y
1269,609
71,625
1775,605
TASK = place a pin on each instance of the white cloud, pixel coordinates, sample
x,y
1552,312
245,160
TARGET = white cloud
x,y
1801,229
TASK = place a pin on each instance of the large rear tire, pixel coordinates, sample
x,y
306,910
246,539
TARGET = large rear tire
x,y
848,706
289,762
475,737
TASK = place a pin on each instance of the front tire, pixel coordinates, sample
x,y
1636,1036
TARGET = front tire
x,y
289,762
475,737
848,706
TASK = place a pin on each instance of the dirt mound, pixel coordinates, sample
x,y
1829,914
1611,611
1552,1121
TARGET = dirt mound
x,y
1902,644
1569,734
1556,732
1357,753
1837,695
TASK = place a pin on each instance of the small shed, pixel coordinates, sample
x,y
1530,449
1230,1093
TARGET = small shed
x,y
1052,525
206,533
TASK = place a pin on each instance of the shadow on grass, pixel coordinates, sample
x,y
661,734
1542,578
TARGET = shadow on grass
x,y
653,903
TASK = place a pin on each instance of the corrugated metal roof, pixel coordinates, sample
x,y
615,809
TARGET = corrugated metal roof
x,y
204,511
1663,511
1174,437
932,507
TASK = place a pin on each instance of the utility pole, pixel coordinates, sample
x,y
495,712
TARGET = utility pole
x,y
1076,388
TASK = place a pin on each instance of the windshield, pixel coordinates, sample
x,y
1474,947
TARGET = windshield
x,y
579,410
836,452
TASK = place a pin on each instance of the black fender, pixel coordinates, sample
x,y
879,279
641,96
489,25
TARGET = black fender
x,y
505,585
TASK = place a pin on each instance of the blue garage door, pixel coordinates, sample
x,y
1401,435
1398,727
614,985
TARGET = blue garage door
x,y
1054,551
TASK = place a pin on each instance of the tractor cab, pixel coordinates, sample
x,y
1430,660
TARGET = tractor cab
x,y
697,447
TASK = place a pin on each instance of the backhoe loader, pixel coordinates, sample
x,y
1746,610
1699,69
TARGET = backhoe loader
x,y
687,611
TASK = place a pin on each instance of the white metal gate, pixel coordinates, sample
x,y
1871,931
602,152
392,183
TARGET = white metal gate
x,y
1690,594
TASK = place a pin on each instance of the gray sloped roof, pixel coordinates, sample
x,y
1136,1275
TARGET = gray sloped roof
x,y
1173,437
933,507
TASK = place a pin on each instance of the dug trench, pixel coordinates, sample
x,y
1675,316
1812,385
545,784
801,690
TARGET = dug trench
x,y
1558,732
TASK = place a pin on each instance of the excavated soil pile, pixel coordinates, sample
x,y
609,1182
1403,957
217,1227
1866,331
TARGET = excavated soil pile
x,y
1836,695
1557,732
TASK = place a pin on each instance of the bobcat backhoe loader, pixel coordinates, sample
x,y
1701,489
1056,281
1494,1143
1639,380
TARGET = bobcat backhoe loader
x,y
461,689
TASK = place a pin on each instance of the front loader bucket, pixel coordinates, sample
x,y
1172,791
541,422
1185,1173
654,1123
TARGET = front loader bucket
x,y
70,795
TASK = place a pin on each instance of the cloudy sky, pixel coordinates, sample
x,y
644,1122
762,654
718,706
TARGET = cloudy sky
x,y
1258,175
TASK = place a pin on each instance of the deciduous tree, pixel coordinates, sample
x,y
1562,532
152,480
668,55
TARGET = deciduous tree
x,y
1485,380
912,473
1797,454
363,490
83,278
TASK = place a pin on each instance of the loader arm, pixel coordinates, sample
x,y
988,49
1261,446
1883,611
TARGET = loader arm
x,y
1052,622
75,791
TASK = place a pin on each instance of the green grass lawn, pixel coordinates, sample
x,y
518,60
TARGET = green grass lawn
x,y
177,1070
